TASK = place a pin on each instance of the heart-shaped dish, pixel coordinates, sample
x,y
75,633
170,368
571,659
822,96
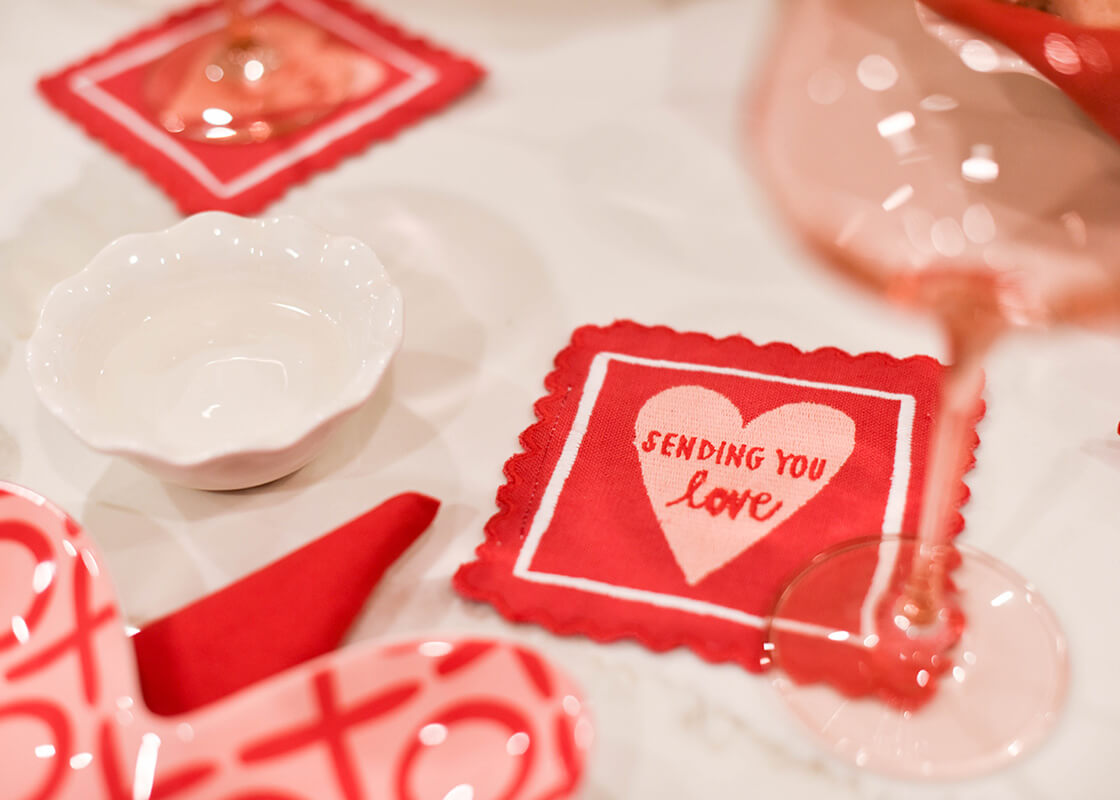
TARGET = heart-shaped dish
x,y
221,352
441,717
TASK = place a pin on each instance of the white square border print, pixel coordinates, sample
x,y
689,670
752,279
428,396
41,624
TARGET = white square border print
x,y
893,511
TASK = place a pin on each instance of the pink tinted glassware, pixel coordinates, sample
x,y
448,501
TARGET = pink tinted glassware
x,y
988,200
262,75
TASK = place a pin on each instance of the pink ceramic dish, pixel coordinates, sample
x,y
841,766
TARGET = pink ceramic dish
x,y
437,718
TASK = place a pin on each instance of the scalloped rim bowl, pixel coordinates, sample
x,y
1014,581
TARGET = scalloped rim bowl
x,y
219,353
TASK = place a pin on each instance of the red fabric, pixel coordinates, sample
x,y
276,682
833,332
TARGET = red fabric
x,y
292,610
136,140
606,537
1080,61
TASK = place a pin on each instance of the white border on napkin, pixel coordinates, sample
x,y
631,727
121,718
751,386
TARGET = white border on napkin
x,y
596,375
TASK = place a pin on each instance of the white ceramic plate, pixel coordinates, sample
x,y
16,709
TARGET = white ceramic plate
x,y
221,352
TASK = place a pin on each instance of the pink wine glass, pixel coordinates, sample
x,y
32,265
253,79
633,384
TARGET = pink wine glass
x,y
990,201
262,75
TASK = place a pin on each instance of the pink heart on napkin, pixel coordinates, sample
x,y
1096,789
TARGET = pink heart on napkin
x,y
718,484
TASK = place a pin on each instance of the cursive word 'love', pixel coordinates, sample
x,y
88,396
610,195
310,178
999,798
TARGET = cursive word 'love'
x,y
719,500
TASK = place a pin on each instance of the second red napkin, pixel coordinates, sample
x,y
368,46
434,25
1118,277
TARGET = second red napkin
x,y
105,94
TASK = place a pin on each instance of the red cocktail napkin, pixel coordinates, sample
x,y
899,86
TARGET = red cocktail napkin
x,y
675,483
105,95
1079,60
286,613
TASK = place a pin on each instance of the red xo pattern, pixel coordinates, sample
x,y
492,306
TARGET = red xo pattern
x,y
453,718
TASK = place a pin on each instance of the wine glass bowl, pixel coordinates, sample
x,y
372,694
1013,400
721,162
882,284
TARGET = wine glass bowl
x,y
929,163
987,200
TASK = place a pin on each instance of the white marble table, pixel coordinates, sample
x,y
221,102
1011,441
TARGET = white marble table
x,y
597,175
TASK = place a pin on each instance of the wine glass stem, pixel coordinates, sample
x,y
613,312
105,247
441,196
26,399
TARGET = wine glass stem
x,y
238,26
949,458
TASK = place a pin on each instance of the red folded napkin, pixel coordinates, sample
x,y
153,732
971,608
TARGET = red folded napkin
x,y
675,483
1080,61
290,611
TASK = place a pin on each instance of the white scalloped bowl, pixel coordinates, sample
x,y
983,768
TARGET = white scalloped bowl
x,y
221,352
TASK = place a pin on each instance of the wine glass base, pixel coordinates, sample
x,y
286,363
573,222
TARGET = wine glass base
x,y
285,76
997,693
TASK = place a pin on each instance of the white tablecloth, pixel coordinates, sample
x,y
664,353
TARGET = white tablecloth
x,y
598,174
